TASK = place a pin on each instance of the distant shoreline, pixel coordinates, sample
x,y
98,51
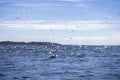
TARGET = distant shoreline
x,y
39,43
45,43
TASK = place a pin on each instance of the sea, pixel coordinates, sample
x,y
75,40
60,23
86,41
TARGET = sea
x,y
31,61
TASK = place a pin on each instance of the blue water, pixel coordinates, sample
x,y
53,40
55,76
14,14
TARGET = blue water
x,y
32,62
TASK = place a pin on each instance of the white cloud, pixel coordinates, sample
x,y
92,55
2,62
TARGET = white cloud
x,y
70,37
82,5
42,24
72,0
79,0
78,3
39,4
114,39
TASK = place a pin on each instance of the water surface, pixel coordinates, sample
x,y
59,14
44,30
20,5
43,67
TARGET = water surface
x,y
32,62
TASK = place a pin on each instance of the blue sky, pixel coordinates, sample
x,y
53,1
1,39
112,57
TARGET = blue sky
x,y
61,21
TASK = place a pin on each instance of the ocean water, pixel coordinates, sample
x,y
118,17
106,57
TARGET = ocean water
x,y
32,62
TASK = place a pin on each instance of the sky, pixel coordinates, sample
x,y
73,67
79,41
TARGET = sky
x,y
78,22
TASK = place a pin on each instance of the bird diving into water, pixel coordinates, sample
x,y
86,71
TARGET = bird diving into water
x,y
52,53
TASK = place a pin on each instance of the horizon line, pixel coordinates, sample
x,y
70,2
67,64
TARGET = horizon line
x,y
59,43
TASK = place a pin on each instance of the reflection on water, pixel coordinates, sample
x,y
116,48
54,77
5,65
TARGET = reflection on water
x,y
32,62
